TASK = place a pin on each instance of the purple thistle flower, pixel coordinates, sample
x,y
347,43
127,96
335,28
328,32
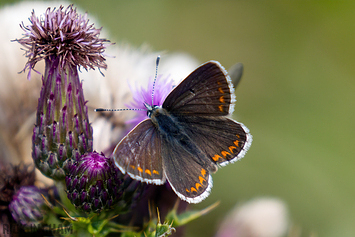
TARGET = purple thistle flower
x,y
95,184
66,41
64,34
144,95
27,206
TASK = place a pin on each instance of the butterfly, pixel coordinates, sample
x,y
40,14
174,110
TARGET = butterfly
x,y
188,137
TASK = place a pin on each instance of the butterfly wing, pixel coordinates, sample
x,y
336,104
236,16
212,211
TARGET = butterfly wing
x,y
139,154
189,179
200,104
223,140
206,91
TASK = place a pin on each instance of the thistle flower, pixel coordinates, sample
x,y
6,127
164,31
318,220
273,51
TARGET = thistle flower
x,y
66,41
27,206
94,184
66,35
144,95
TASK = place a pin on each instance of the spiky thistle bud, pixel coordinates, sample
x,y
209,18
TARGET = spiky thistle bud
x,y
94,184
66,41
27,206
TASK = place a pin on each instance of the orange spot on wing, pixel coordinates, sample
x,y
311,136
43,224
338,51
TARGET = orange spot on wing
x,y
193,189
220,90
198,185
238,136
236,142
148,172
203,172
221,99
220,108
216,157
225,153
133,167
219,83
187,190
155,172
140,169
231,148
201,179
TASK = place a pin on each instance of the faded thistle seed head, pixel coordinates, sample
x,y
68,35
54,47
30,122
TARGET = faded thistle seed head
x,y
66,41
94,184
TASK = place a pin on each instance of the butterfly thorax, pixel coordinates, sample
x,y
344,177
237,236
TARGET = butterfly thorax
x,y
164,121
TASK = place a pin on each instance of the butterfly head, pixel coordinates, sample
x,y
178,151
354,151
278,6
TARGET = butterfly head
x,y
151,109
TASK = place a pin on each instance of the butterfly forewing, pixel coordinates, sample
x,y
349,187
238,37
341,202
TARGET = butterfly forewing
x,y
190,180
139,154
206,91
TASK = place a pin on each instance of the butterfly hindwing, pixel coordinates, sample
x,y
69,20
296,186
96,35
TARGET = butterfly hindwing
x,y
189,179
206,91
139,154
223,140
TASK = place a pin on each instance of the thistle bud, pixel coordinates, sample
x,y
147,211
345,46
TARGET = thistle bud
x,y
27,206
94,184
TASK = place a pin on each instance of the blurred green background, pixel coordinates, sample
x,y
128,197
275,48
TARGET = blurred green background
x,y
296,96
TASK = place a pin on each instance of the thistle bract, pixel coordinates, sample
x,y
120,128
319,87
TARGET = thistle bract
x,y
62,132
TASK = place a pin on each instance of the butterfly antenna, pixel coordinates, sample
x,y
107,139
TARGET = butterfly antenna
x,y
155,77
113,110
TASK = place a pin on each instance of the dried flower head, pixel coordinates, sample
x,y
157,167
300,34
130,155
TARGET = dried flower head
x,y
64,34
12,178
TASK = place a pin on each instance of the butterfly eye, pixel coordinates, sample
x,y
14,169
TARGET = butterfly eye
x,y
151,110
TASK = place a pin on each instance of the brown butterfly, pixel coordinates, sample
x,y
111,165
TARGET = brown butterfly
x,y
188,137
